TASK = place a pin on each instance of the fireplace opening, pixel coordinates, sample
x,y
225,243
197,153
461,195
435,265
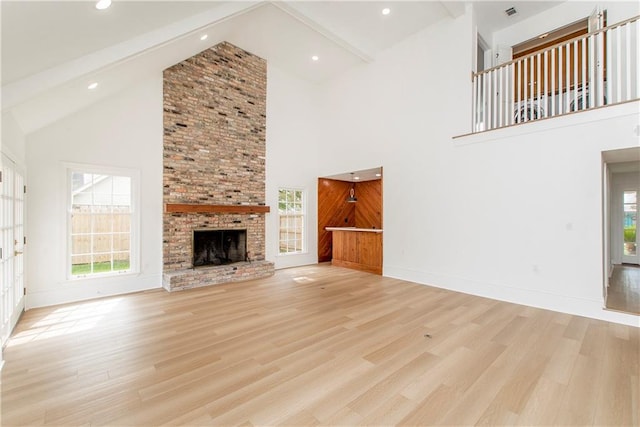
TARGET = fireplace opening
x,y
219,247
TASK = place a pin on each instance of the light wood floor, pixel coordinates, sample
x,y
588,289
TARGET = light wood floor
x,y
624,289
317,345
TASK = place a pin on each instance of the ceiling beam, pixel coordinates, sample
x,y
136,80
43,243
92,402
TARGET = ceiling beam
x,y
290,8
455,9
28,88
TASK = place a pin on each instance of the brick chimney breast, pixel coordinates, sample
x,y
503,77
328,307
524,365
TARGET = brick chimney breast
x,y
214,149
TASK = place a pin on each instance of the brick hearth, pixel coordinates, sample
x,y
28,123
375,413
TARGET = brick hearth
x,y
205,276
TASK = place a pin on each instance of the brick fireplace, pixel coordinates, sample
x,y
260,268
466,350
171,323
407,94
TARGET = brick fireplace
x,y
214,163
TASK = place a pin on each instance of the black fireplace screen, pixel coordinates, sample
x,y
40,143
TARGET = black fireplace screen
x,y
219,247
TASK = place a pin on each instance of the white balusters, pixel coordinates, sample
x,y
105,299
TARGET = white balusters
x,y
600,68
576,67
627,29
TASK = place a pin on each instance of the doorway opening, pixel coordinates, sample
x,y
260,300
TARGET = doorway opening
x,y
351,199
621,185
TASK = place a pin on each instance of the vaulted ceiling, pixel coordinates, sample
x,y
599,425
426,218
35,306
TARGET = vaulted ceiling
x,y
51,50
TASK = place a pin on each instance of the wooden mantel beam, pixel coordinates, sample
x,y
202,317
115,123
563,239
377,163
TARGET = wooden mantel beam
x,y
204,208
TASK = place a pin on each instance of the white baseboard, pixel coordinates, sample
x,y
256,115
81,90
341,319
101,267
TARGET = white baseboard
x,y
294,260
611,267
555,302
88,289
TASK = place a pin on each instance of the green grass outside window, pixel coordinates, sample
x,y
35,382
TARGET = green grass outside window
x,y
99,267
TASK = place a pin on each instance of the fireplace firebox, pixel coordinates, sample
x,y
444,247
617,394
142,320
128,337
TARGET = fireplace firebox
x,y
219,247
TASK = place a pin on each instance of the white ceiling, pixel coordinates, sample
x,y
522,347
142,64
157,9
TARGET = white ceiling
x,y
491,16
623,160
37,35
51,50
362,25
359,175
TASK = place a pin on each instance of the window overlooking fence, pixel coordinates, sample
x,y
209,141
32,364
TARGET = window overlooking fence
x,y
291,215
101,223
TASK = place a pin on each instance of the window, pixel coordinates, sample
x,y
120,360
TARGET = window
x,y
101,223
630,208
291,213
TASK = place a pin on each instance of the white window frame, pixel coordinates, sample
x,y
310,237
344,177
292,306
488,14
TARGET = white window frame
x,y
134,248
303,249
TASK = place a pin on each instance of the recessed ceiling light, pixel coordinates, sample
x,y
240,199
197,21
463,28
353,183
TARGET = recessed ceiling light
x,y
356,177
315,58
378,174
204,36
386,11
103,4
542,36
92,86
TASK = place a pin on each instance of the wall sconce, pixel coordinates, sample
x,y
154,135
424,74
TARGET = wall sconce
x,y
352,196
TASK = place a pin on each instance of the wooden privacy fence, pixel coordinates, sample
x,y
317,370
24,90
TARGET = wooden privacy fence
x,y
291,230
98,233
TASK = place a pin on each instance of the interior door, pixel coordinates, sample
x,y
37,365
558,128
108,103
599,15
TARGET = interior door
x,y
12,243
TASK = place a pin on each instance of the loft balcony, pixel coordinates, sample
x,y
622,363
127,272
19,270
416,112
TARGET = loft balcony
x,y
594,70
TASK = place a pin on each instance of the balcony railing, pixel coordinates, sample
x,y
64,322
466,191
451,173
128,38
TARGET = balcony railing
x,y
593,70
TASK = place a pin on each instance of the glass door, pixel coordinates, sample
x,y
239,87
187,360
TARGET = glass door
x,y
12,242
630,252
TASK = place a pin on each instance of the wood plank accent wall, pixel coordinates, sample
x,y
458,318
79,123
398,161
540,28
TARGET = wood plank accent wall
x,y
370,252
369,204
359,250
345,246
333,209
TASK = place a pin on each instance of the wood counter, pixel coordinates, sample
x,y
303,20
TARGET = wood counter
x,y
357,248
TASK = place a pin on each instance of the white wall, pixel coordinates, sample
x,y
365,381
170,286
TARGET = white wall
x,y
514,215
122,131
292,153
13,143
